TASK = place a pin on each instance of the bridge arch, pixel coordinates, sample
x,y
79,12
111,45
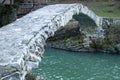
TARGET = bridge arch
x,y
22,42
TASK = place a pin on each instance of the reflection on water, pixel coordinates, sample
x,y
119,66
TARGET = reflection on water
x,y
63,65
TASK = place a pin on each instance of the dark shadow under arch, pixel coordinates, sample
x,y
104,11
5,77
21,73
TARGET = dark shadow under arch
x,y
84,20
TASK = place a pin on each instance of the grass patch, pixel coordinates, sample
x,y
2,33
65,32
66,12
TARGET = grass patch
x,y
105,9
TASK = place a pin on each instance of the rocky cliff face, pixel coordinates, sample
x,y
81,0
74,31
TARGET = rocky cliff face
x,y
85,36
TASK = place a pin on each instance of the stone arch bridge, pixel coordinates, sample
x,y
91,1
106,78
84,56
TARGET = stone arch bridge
x,y
22,42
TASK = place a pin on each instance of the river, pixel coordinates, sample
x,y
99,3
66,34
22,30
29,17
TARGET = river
x,y
65,65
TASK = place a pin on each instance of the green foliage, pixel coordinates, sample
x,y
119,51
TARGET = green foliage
x,y
30,76
6,13
111,39
113,34
111,4
106,9
97,43
72,20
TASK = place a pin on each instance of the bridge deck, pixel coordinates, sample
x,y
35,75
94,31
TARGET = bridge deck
x,y
24,28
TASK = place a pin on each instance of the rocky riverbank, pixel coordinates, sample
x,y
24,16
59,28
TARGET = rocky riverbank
x,y
77,36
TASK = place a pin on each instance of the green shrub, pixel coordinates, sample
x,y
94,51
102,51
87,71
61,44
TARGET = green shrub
x,y
30,76
111,4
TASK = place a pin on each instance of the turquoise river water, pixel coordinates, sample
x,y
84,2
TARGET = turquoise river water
x,y
64,65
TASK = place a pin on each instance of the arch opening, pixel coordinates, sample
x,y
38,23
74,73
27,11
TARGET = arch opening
x,y
73,33
84,20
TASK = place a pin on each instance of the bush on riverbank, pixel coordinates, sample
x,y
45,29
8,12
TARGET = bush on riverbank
x,y
7,14
30,76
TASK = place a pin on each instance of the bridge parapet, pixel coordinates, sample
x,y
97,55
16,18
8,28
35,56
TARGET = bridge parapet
x,y
22,42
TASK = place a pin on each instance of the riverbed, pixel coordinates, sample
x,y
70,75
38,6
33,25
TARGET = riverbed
x,y
65,65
